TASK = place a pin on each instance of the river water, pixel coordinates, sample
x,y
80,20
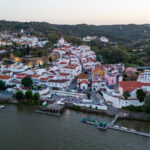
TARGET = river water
x,y
23,129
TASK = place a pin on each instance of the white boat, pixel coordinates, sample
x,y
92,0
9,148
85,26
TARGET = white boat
x,y
2,106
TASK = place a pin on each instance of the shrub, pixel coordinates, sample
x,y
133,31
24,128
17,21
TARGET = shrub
x,y
133,108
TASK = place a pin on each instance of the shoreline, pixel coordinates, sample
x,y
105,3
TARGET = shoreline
x,y
87,110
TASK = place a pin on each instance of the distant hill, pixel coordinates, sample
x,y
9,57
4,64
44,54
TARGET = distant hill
x,y
114,32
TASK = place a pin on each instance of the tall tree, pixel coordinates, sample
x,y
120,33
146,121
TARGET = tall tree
x,y
28,95
140,95
27,82
147,104
126,94
19,95
36,97
53,38
50,59
2,85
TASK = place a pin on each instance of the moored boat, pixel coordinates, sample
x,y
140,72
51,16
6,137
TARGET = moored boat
x,y
102,125
2,107
90,121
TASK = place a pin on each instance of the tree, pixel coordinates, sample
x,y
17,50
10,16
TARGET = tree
x,y
126,94
74,40
40,53
147,104
28,95
2,85
88,95
36,97
27,82
53,38
19,95
50,59
140,95
115,55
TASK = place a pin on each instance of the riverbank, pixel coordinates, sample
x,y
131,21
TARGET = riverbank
x,y
127,116
124,115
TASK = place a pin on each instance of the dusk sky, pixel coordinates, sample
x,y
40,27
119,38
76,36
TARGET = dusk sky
x,y
77,11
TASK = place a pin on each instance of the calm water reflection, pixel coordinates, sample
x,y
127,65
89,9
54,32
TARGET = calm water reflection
x,y
23,129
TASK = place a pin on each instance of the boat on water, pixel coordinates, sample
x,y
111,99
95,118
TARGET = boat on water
x,y
90,121
102,125
2,107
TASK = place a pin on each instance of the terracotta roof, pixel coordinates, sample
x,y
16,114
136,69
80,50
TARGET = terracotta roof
x,y
83,76
59,81
53,72
97,69
44,79
71,66
5,77
64,74
132,85
35,76
84,82
63,63
20,74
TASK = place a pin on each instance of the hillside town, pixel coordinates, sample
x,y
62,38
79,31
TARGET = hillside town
x,y
74,75
21,38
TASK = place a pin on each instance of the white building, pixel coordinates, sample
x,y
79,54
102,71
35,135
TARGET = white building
x,y
104,39
144,77
59,83
72,69
89,38
83,85
132,87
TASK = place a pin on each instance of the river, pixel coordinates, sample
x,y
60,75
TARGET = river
x,y
23,129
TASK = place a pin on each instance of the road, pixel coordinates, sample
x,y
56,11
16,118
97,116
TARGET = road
x,y
97,99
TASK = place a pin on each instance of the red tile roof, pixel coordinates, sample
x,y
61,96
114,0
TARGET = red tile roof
x,y
44,79
20,74
63,63
35,76
132,85
83,76
5,77
64,74
84,82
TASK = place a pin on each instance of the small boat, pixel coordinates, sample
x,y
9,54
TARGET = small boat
x,y
102,125
90,121
2,107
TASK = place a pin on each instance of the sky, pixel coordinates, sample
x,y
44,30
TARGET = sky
x,y
99,12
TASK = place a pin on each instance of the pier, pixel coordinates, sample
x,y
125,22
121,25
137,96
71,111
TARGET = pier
x,y
112,125
51,109
114,120
124,129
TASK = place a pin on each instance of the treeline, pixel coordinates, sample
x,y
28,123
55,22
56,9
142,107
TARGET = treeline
x,y
28,97
123,33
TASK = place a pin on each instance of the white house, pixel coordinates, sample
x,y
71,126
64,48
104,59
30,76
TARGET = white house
x,y
59,83
72,69
144,77
83,85
104,39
